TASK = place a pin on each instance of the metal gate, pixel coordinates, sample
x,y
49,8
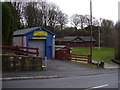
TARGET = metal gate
x,y
38,44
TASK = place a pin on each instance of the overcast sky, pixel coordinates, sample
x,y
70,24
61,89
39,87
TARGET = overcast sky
x,y
107,9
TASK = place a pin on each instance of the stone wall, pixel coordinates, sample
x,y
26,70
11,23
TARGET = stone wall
x,y
21,63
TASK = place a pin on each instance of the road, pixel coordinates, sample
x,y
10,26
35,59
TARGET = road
x,y
87,82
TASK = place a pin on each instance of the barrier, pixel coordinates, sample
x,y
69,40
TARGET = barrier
x,y
76,57
18,50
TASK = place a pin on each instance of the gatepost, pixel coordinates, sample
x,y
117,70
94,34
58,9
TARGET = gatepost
x,y
89,59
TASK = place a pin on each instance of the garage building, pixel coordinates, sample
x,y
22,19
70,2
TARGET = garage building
x,y
37,37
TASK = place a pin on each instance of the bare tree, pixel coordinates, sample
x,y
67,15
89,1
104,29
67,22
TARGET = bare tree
x,y
52,15
19,6
62,19
30,14
75,20
95,22
44,7
82,21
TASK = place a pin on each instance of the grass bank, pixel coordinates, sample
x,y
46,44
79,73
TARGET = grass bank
x,y
102,54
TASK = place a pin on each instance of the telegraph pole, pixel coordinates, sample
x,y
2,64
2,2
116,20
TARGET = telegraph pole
x,y
91,30
99,33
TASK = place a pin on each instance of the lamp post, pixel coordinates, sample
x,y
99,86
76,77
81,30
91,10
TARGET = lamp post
x,y
91,30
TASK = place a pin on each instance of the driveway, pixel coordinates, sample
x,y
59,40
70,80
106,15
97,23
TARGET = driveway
x,y
62,69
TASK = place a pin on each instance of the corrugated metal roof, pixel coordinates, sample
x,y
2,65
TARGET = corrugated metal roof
x,y
67,38
27,30
87,38
58,47
71,38
24,31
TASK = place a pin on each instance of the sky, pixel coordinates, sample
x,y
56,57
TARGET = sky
x,y
107,9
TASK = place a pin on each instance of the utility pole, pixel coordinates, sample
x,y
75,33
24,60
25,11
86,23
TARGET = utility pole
x,y
99,33
91,29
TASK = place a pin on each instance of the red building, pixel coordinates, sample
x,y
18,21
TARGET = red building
x,y
76,41
62,52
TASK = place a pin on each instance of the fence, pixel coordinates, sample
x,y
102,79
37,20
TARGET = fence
x,y
18,50
76,57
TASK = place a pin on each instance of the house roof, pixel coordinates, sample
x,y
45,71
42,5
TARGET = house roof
x,y
87,38
28,30
71,38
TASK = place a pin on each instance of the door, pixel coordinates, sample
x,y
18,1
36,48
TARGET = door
x,y
38,44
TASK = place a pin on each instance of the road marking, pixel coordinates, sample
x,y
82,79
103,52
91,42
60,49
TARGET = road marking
x,y
97,87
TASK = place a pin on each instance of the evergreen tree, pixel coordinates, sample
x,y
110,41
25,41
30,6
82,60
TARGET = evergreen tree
x,y
7,24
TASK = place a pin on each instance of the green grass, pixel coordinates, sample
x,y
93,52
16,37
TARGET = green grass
x,y
104,54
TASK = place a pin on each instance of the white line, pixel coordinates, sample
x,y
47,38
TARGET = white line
x,y
97,87
101,86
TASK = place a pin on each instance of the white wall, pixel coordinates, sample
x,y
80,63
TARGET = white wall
x,y
18,41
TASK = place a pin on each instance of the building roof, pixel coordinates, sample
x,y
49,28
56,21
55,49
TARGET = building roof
x,y
87,38
71,38
59,47
28,30
24,31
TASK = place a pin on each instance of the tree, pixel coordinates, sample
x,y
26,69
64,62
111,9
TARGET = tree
x,y
15,15
20,21
52,15
31,14
44,7
95,22
7,24
106,32
75,20
117,28
82,21
62,19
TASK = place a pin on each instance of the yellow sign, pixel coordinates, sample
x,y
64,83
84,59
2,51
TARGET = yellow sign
x,y
40,33
38,37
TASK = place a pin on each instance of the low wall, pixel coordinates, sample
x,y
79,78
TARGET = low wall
x,y
21,63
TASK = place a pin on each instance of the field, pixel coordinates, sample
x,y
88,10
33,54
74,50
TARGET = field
x,y
104,54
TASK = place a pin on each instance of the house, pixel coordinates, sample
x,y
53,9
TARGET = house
x,y
36,37
76,41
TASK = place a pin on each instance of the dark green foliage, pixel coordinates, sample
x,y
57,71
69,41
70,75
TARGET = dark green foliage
x,y
117,28
14,15
7,24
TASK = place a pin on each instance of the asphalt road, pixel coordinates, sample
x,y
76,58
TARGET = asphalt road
x,y
87,82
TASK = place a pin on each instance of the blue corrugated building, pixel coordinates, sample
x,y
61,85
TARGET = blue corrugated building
x,y
37,37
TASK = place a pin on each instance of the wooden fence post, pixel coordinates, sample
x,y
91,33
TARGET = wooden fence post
x,y
89,59
37,52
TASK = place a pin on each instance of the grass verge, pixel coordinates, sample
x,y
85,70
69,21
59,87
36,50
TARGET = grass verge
x,y
102,54
89,65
